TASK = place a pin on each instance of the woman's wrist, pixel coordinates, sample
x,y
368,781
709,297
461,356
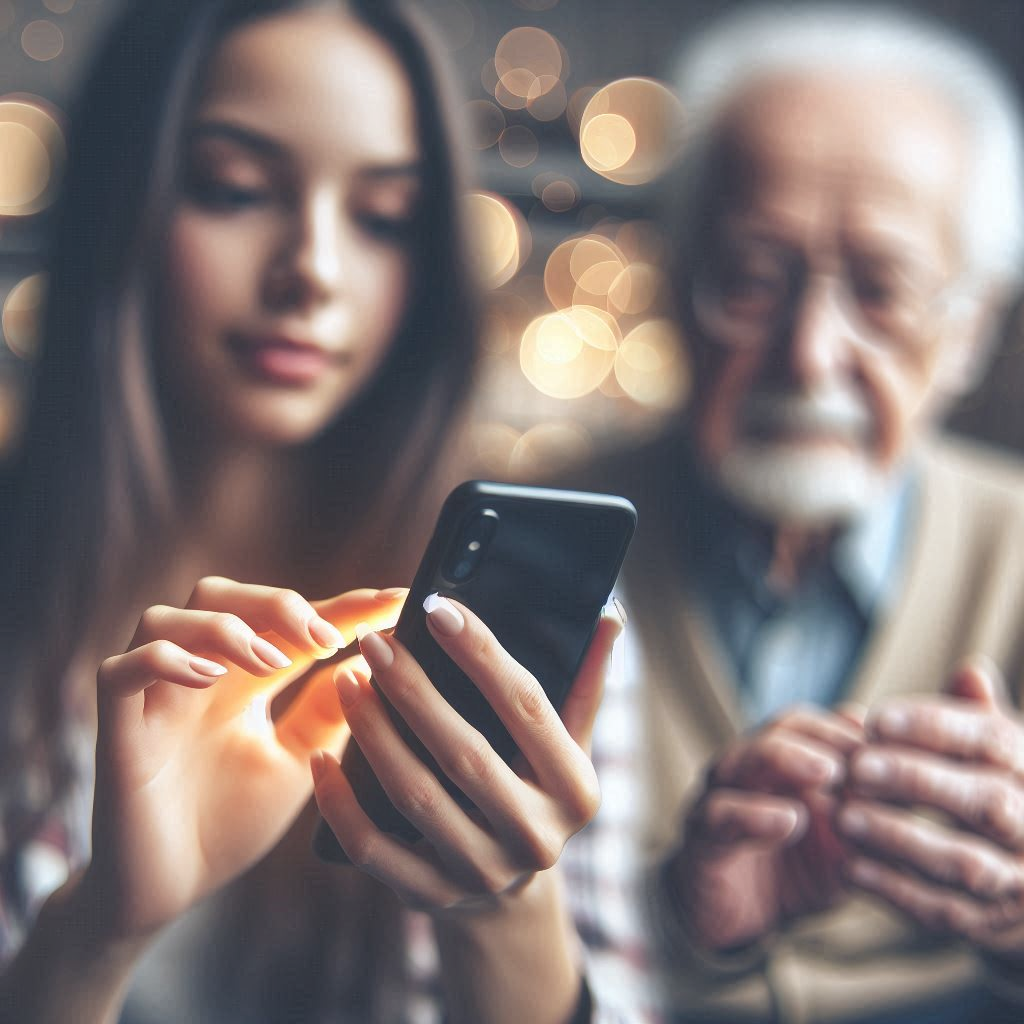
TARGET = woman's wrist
x,y
518,961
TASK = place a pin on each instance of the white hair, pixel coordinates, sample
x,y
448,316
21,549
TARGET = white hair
x,y
757,42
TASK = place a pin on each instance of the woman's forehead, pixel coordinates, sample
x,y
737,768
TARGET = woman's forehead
x,y
319,84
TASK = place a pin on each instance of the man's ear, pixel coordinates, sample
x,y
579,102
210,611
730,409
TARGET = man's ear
x,y
971,331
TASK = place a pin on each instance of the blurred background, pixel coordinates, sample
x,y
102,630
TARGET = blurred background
x,y
569,127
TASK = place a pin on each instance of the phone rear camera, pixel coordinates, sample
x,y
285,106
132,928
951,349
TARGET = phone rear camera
x,y
470,547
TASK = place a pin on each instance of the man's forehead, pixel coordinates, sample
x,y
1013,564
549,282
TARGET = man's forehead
x,y
806,139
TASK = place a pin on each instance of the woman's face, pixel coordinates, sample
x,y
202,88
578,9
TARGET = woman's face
x,y
289,258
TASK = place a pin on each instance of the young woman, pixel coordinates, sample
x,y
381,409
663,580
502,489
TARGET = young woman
x,y
257,343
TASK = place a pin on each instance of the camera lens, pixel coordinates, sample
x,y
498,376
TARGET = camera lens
x,y
470,545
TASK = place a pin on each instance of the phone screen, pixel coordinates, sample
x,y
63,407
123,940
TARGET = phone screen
x,y
537,565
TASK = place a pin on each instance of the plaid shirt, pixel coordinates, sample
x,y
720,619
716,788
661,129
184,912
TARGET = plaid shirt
x,y
58,844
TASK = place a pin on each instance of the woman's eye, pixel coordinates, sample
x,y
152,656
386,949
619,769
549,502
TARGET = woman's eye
x,y
226,196
386,228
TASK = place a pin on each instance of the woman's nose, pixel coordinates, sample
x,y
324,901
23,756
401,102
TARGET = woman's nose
x,y
308,269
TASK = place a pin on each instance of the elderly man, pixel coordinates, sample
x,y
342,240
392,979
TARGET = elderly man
x,y
820,762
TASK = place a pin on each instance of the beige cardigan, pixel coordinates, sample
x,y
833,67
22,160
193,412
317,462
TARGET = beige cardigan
x,y
962,592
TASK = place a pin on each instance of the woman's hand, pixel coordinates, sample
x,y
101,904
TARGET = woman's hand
x,y
194,782
524,813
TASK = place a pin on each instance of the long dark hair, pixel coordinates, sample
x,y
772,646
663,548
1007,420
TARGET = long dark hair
x,y
94,482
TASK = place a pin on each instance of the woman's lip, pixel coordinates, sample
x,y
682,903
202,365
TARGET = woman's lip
x,y
282,362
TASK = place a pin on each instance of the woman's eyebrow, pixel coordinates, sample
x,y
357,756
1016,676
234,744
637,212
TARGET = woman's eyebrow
x,y
409,169
253,140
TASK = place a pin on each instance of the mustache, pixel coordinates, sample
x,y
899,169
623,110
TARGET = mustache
x,y
836,412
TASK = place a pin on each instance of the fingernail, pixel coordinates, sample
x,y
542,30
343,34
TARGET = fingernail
x,y
853,821
871,768
347,685
317,765
324,634
391,593
268,653
443,615
622,611
206,668
376,650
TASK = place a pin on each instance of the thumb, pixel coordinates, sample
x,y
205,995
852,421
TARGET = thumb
x,y
979,680
580,708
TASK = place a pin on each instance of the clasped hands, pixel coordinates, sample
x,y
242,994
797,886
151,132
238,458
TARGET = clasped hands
x,y
919,803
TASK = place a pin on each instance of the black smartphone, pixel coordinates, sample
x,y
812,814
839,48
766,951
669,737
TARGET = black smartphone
x,y
537,565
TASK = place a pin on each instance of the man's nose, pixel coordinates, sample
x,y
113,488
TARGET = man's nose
x,y
309,267
816,339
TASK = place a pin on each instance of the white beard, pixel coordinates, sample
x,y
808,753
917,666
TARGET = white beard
x,y
803,486
804,459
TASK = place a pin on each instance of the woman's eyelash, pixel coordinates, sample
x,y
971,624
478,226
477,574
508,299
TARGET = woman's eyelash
x,y
223,195
386,227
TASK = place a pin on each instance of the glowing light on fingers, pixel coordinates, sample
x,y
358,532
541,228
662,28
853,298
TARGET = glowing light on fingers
x,y
631,130
256,716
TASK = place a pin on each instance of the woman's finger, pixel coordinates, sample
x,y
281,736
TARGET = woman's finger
x,y
516,696
416,881
579,711
160,661
411,786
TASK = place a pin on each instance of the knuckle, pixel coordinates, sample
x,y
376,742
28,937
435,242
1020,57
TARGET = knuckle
x,y
205,587
363,849
997,811
420,801
540,847
231,628
159,654
583,799
977,874
528,700
152,618
289,604
474,761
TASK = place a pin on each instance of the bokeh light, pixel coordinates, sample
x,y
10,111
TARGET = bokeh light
x,y
11,412
42,40
518,146
531,50
550,446
493,445
560,196
651,366
546,98
631,130
22,314
486,122
635,289
566,354
32,157
59,6
499,237
581,270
